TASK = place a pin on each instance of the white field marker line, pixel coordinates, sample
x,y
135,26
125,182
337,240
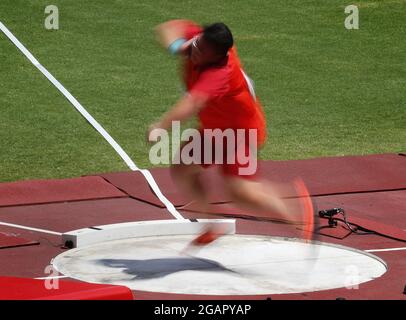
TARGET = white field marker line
x,y
51,277
384,250
148,176
29,228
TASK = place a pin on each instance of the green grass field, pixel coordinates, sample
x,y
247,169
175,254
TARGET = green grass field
x,y
326,90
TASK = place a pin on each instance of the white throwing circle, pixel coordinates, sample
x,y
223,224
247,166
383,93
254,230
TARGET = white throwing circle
x,y
233,265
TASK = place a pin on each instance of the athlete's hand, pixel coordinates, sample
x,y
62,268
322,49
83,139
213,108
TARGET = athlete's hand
x,y
169,31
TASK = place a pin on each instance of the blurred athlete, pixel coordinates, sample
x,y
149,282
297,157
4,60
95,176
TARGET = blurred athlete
x,y
223,98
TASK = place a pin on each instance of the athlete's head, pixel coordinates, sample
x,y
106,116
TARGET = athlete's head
x,y
212,45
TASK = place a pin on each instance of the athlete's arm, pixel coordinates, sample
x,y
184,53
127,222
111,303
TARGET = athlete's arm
x,y
171,31
186,107
176,35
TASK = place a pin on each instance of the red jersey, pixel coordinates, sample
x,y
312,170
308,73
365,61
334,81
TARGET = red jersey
x,y
232,102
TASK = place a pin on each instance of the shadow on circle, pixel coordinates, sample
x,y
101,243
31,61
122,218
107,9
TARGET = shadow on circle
x,y
158,268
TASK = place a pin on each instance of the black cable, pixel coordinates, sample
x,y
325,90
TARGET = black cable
x,y
357,229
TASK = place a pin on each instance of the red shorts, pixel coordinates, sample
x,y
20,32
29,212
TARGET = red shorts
x,y
235,153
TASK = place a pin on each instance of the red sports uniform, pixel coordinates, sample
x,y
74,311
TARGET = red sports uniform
x,y
232,103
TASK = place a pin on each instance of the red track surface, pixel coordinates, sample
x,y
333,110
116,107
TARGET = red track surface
x,y
11,240
371,189
45,191
323,176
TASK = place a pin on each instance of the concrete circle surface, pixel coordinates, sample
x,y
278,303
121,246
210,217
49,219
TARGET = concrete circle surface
x,y
233,265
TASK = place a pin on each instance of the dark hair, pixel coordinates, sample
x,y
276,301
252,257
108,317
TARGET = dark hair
x,y
219,36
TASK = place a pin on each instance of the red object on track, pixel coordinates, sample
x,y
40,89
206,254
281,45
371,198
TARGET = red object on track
x,y
308,210
205,238
208,236
12,288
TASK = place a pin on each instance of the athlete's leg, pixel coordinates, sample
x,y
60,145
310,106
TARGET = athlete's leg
x,y
187,178
264,198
